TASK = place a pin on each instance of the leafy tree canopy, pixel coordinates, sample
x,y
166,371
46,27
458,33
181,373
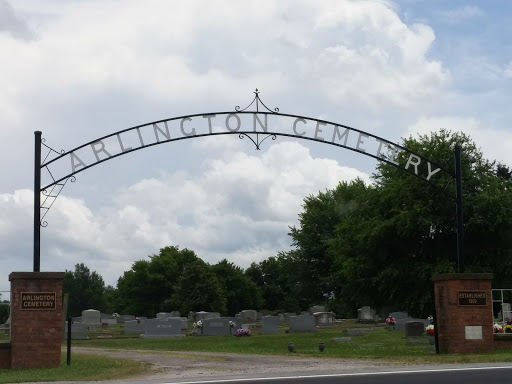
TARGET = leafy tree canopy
x,y
85,289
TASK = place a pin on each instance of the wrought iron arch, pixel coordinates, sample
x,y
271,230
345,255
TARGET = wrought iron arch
x,y
157,132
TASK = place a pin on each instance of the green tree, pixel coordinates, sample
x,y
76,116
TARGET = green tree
x,y
198,289
150,286
239,290
5,310
279,281
390,237
85,289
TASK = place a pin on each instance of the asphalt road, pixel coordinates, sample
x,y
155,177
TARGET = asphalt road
x,y
469,375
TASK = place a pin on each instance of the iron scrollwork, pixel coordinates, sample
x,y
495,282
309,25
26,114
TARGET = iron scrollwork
x,y
257,101
50,195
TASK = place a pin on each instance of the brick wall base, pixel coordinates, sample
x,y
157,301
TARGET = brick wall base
x,y
5,355
503,341
36,326
464,326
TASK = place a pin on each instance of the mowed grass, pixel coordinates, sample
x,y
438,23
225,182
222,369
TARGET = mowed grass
x,y
377,344
83,368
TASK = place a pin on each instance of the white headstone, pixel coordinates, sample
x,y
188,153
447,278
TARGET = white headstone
x,y
91,317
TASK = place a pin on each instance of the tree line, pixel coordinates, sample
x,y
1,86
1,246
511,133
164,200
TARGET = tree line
x,y
358,244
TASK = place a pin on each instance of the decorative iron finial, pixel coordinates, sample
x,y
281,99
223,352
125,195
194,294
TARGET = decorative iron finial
x,y
258,101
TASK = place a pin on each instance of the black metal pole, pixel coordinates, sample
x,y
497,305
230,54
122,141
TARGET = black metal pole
x,y
68,354
460,217
37,201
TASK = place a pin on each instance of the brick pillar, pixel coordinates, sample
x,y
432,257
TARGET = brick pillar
x,y
36,319
464,312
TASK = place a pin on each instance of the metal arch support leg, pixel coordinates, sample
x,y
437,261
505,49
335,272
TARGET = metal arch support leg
x,y
460,216
37,201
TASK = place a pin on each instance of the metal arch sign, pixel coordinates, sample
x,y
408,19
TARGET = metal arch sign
x,y
244,124
257,125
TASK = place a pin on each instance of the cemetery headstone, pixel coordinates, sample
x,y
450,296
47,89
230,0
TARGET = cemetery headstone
x,y
91,317
340,339
249,316
134,327
302,323
366,314
414,329
202,315
170,327
216,326
316,308
122,318
78,331
401,323
355,332
325,319
269,325
281,317
164,315
506,311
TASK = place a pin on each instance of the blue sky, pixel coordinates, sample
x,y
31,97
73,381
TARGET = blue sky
x,y
79,70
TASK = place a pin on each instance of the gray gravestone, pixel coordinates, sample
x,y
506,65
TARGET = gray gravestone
x,y
216,326
316,308
325,319
249,316
281,317
302,323
170,327
414,329
202,315
78,331
122,318
366,314
134,327
340,339
269,324
355,332
164,315
401,323
399,315
506,311
91,317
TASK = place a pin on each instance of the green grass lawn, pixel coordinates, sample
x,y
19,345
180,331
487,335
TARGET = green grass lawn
x,y
83,367
377,344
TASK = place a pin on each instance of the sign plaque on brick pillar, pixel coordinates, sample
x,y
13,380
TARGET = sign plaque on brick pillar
x,y
36,319
464,312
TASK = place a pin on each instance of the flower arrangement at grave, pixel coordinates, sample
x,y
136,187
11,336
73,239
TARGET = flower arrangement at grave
x,y
390,320
430,319
497,328
429,329
508,327
231,324
242,332
196,325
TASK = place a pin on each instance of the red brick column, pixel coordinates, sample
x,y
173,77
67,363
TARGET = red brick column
x,y
36,319
464,312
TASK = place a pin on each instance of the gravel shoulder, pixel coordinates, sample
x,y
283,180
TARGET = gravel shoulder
x,y
175,367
